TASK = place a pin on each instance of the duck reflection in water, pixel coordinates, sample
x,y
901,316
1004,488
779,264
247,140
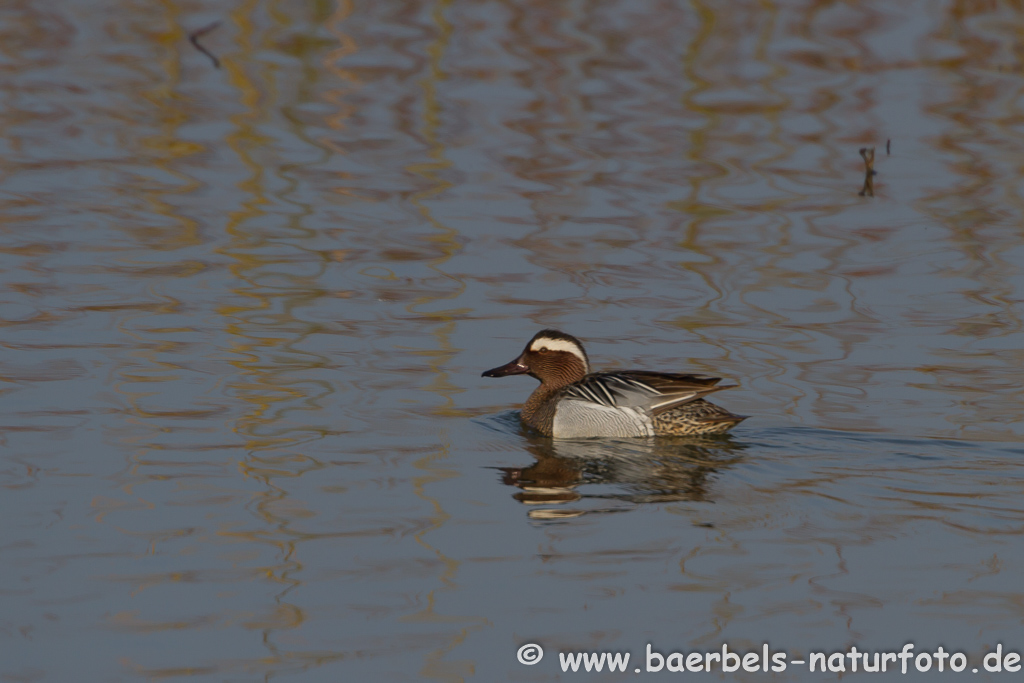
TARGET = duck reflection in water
x,y
619,474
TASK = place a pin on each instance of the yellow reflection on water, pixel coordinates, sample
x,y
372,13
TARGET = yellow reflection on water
x,y
445,321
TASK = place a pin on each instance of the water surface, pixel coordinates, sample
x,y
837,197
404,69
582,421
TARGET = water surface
x,y
245,310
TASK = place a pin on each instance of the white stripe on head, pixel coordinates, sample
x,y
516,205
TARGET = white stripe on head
x,y
560,345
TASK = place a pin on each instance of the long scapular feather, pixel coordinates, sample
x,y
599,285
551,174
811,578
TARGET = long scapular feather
x,y
652,391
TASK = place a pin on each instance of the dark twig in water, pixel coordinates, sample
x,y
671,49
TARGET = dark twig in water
x,y
887,147
194,39
868,154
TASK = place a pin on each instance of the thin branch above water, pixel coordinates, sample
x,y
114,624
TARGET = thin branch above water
x,y
868,154
199,33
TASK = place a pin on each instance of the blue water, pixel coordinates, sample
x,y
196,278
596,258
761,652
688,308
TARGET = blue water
x,y
245,311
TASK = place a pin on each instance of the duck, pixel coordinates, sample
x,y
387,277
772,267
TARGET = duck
x,y
574,403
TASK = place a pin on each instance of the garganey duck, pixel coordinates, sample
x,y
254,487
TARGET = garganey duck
x,y
572,402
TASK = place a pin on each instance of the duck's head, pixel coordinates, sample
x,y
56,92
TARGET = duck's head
x,y
553,357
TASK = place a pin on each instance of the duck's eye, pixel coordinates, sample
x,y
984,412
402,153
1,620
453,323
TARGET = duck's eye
x,y
542,349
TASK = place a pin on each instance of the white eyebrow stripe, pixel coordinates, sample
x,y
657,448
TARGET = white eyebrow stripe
x,y
558,345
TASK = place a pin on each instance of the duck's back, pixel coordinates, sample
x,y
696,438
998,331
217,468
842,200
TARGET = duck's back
x,y
622,404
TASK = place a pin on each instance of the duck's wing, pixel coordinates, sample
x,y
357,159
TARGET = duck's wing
x,y
653,391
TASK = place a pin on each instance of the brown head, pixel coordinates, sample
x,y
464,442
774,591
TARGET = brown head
x,y
555,358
